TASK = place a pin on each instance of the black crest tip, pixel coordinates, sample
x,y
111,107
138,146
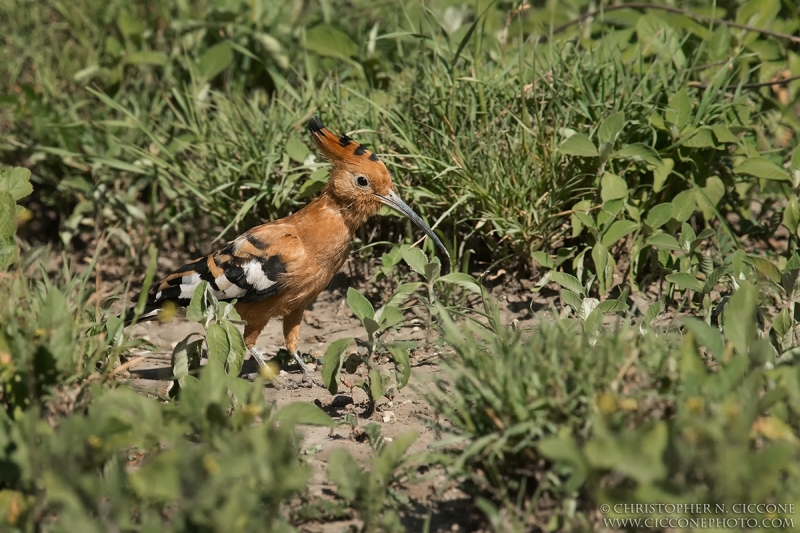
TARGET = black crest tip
x,y
315,125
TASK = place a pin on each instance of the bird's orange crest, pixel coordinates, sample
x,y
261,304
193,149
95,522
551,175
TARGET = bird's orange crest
x,y
340,149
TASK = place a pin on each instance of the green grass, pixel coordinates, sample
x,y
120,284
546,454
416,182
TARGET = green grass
x,y
613,159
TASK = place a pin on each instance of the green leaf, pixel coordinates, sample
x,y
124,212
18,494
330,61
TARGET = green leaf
x,y
17,182
724,134
618,230
376,387
129,26
414,258
766,268
709,196
146,57
296,149
332,363
571,299
462,280
684,205
158,479
359,305
611,127
197,305
432,271
543,259
783,322
612,187
568,281
706,336
698,138
795,161
302,413
659,215
219,346
680,109
791,216
402,363
638,152
604,264
661,173
392,454
180,362
345,473
328,41
686,281
235,360
578,145
740,317
389,316
214,60
761,167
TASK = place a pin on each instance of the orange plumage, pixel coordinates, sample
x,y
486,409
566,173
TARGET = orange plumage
x,y
278,268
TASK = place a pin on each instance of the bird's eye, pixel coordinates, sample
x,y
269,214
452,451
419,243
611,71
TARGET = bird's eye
x,y
362,181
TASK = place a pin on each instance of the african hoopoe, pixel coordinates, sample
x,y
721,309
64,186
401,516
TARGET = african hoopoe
x,y
278,268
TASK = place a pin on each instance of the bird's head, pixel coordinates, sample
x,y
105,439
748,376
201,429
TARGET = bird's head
x,y
359,181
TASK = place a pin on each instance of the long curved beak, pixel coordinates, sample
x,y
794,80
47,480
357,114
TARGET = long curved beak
x,y
394,201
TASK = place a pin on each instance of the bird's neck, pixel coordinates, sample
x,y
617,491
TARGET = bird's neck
x,y
331,224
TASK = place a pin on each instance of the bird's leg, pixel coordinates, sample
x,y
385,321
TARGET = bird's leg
x,y
257,356
291,332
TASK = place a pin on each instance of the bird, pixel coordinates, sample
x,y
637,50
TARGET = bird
x,y
278,268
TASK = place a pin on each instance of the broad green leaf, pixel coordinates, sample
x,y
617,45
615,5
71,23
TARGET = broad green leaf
x,y
766,268
296,150
462,280
709,196
638,152
391,456
129,26
180,362
706,336
685,280
359,305
543,259
389,316
791,216
571,299
432,270
415,259
332,363
328,41
680,109
578,145
652,312
724,134
147,57
371,325
219,346
698,138
661,173
17,181
345,473
783,322
214,60
235,360
611,127
740,317
376,386
302,413
761,167
197,305
612,187
604,264
664,241
684,205
402,363
158,479
568,281
618,230
659,215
